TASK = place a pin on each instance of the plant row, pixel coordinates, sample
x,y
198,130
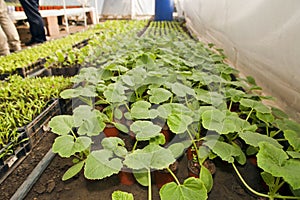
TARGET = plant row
x,y
101,47
21,100
29,56
151,83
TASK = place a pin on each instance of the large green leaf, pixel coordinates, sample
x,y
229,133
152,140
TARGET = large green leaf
x,y
293,154
140,110
159,95
88,91
286,124
293,138
89,121
224,150
92,126
182,90
141,176
173,108
152,156
291,173
145,130
234,94
192,188
81,113
72,171
178,123
268,179
217,120
209,97
121,127
253,138
71,93
62,124
275,161
271,158
65,145
206,177
177,149
115,93
256,105
101,164
116,145
265,117
120,195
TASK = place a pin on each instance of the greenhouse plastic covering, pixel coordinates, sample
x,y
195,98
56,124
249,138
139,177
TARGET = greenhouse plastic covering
x,y
260,38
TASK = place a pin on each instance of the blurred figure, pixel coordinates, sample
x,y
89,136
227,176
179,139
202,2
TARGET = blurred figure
x,y
9,36
36,23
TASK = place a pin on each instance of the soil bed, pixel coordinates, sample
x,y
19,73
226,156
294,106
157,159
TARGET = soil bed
x,y
19,175
50,186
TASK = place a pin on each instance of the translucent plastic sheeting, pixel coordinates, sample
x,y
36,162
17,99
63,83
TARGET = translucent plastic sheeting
x,y
116,7
143,7
260,38
128,7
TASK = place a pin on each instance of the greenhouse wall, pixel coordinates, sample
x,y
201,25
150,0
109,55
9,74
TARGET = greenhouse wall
x,y
260,38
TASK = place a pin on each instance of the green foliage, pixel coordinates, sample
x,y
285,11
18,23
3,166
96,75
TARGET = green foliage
x,y
192,188
120,195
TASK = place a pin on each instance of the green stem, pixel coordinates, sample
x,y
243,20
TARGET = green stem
x,y
127,106
281,140
246,185
171,99
134,146
74,135
149,185
267,130
230,105
249,114
278,186
195,146
276,133
258,193
174,176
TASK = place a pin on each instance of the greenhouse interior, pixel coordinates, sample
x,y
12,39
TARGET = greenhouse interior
x,y
149,99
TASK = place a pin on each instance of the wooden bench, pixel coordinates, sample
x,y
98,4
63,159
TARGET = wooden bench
x,y
52,17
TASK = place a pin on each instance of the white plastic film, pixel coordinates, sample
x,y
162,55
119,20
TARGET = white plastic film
x,y
260,38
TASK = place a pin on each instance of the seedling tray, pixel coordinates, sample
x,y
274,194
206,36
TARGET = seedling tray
x,y
36,69
66,106
65,71
4,76
39,126
17,151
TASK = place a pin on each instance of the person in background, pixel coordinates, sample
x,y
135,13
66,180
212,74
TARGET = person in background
x,y
36,23
9,36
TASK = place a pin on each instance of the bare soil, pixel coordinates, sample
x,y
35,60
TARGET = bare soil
x,y
50,186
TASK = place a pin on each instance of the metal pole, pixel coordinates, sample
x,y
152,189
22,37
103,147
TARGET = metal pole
x,y
66,17
96,11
